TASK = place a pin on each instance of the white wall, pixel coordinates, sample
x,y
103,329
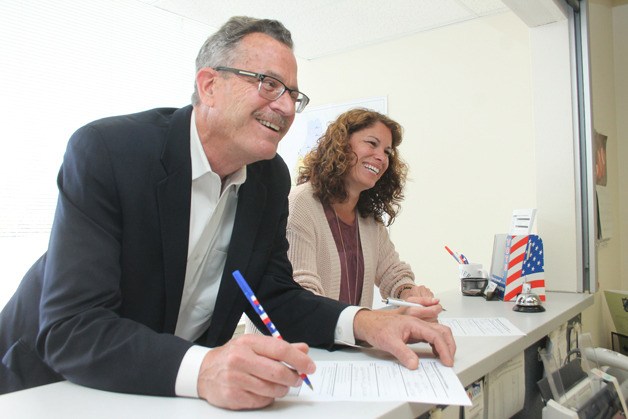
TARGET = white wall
x,y
463,94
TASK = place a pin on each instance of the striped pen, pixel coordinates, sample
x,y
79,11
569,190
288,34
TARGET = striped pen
x,y
248,292
453,255
460,258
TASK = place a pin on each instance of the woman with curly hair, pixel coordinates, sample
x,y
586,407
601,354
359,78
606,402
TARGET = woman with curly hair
x,y
349,190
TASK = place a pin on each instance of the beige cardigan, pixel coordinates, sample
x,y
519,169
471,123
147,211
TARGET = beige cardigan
x,y
315,259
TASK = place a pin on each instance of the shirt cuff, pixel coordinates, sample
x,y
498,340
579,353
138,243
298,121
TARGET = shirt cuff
x,y
187,377
343,335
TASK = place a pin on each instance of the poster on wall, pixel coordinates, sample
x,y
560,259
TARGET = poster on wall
x,y
602,195
599,148
309,125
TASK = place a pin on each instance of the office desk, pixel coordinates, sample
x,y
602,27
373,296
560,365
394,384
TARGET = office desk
x,y
475,358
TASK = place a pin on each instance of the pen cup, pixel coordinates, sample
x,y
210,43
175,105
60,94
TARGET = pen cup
x,y
473,279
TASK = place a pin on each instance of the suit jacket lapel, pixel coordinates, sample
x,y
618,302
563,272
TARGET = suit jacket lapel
x,y
173,195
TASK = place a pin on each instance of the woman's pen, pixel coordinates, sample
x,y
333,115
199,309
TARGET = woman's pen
x,y
248,293
402,303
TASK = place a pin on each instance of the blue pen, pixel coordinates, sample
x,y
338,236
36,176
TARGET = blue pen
x,y
248,293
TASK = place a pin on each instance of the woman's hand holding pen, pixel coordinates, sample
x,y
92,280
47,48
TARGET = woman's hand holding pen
x,y
429,312
251,371
423,296
415,291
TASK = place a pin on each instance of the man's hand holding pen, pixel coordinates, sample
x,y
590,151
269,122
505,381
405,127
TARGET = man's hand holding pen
x,y
244,373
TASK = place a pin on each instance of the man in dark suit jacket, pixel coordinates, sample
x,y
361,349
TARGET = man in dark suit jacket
x,y
113,304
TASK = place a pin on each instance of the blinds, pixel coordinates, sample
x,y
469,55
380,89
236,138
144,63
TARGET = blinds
x,y
64,63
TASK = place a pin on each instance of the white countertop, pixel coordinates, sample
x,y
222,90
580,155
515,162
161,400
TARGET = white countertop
x,y
475,357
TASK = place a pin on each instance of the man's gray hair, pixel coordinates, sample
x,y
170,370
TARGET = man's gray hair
x,y
220,48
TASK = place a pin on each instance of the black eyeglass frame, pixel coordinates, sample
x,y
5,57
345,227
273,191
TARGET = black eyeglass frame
x,y
300,99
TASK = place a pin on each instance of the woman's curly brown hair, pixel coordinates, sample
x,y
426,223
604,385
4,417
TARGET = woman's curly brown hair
x,y
326,166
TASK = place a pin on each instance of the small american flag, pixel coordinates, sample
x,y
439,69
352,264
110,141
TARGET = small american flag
x,y
525,264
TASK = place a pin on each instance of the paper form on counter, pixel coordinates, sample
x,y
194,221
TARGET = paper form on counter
x,y
489,326
379,381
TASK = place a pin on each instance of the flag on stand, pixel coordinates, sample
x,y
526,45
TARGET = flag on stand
x,y
525,264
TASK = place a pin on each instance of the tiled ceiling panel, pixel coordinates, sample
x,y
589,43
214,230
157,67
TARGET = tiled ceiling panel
x,y
324,27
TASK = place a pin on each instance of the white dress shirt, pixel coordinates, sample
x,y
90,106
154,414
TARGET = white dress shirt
x,y
212,214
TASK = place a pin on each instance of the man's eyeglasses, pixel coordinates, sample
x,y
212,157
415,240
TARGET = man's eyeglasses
x,y
271,88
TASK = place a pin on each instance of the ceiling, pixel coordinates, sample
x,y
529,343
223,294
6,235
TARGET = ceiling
x,y
324,27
